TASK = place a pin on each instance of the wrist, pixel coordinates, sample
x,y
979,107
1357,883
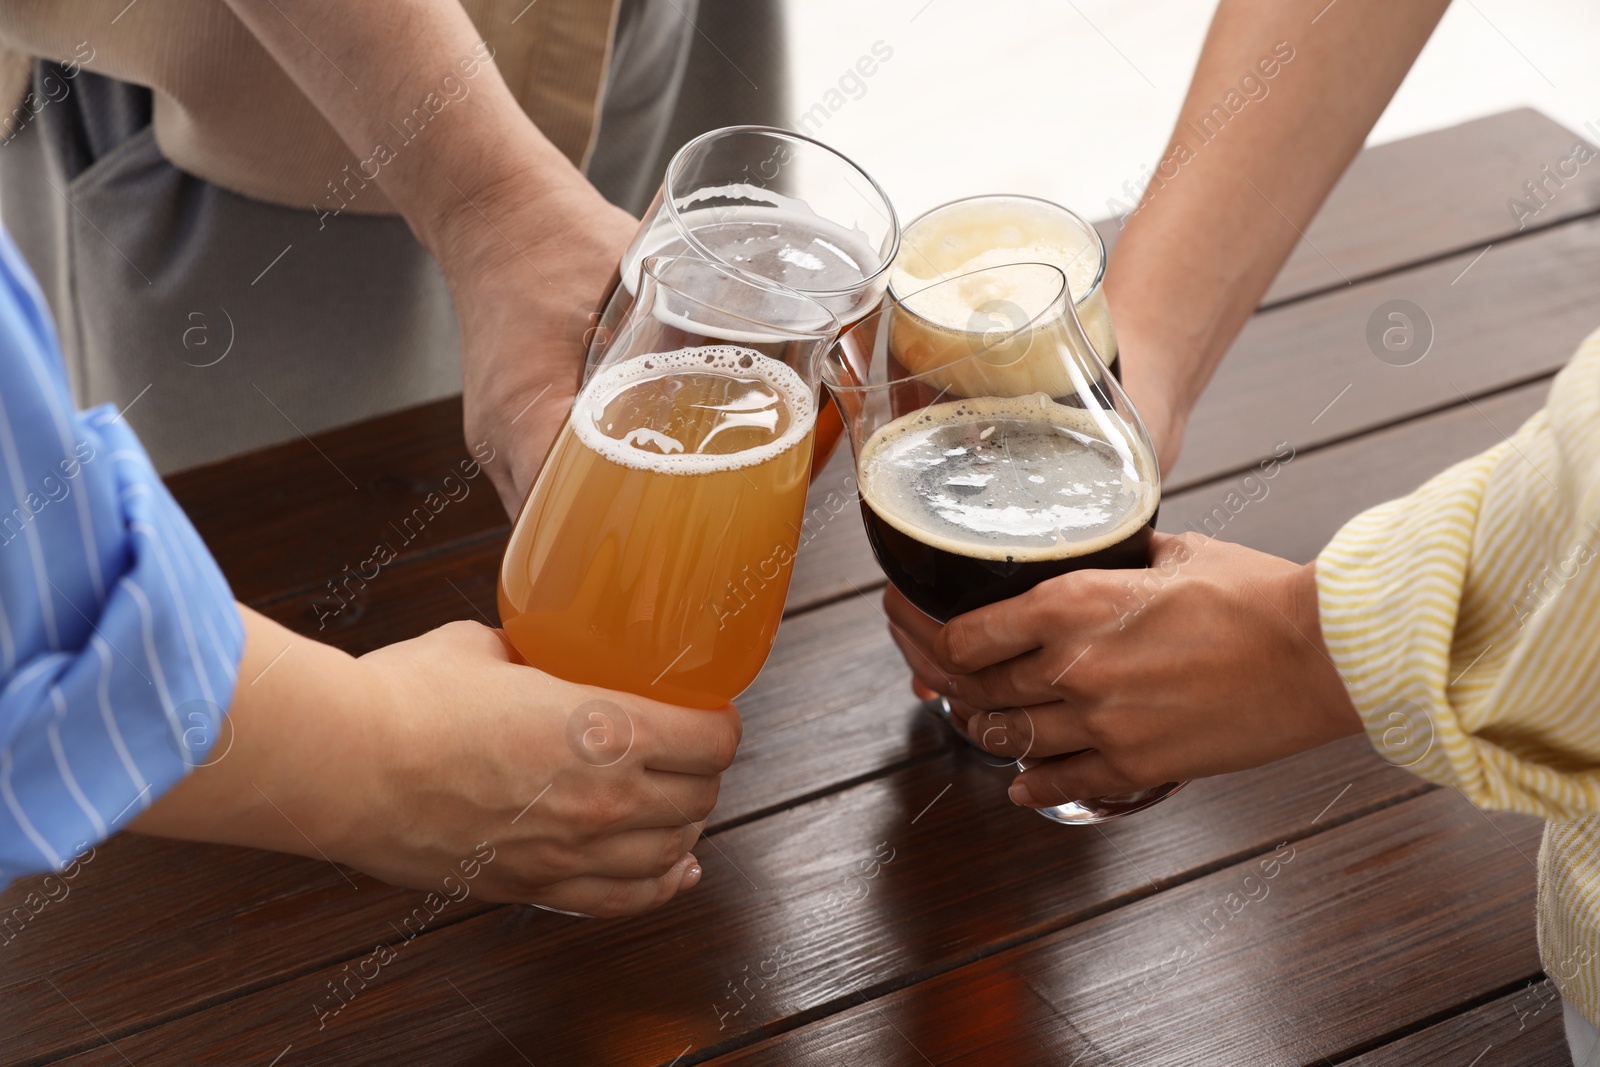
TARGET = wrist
x,y
1167,356
1161,404
294,748
1165,421
522,205
311,762
350,765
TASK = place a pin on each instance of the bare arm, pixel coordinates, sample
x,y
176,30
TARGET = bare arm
x,y
527,244
1222,212
423,760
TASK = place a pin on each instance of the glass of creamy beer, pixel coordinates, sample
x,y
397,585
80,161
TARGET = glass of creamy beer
x,y
993,452
986,231
654,551
777,205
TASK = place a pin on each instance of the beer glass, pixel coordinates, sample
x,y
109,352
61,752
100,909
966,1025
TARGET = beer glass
x,y
986,231
993,452
777,205
655,549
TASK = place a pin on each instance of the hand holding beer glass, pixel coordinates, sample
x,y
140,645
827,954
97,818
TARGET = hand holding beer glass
x,y
994,450
682,468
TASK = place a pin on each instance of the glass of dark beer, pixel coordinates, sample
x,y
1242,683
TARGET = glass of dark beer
x,y
777,205
994,450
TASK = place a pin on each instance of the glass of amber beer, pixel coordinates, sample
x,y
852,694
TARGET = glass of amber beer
x,y
654,551
777,205
993,451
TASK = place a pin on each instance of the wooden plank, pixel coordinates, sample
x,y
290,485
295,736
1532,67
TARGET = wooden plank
x,y
1304,374
1342,947
403,600
896,879
1295,512
834,705
298,514
294,516
155,929
1382,214
1289,364
1446,191
1521,1029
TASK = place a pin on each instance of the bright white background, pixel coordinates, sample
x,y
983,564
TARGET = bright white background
x,y
1051,97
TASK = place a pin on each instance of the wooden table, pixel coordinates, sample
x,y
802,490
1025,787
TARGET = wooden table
x,y
870,895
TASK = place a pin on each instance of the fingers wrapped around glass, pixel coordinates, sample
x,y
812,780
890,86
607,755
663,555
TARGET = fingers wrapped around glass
x,y
994,450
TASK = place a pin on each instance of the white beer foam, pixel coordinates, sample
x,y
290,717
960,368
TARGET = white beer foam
x,y
713,359
1073,501
955,304
964,237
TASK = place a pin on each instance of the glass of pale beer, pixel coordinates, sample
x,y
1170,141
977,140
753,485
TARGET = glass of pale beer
x,y
993,229
777,205
994,451
654,551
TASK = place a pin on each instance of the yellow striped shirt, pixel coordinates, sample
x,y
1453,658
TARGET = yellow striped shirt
x,y
1465,619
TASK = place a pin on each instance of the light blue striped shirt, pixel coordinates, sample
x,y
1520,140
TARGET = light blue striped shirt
x,y
119,638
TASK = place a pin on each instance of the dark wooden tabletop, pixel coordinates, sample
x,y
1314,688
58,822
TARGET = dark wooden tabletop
x,y
870,895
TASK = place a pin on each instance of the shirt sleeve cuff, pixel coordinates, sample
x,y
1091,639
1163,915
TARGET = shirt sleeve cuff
x,y
1389,589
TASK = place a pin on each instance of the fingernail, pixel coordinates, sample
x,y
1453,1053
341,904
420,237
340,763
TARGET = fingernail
x,y
691,876
1019,794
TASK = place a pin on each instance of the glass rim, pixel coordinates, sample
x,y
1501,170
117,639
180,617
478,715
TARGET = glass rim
x,y
1053,308
776,133
1085,224
650,267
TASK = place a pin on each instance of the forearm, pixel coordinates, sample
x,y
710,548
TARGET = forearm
x,y
1230,198
367,66
527,245
294,727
